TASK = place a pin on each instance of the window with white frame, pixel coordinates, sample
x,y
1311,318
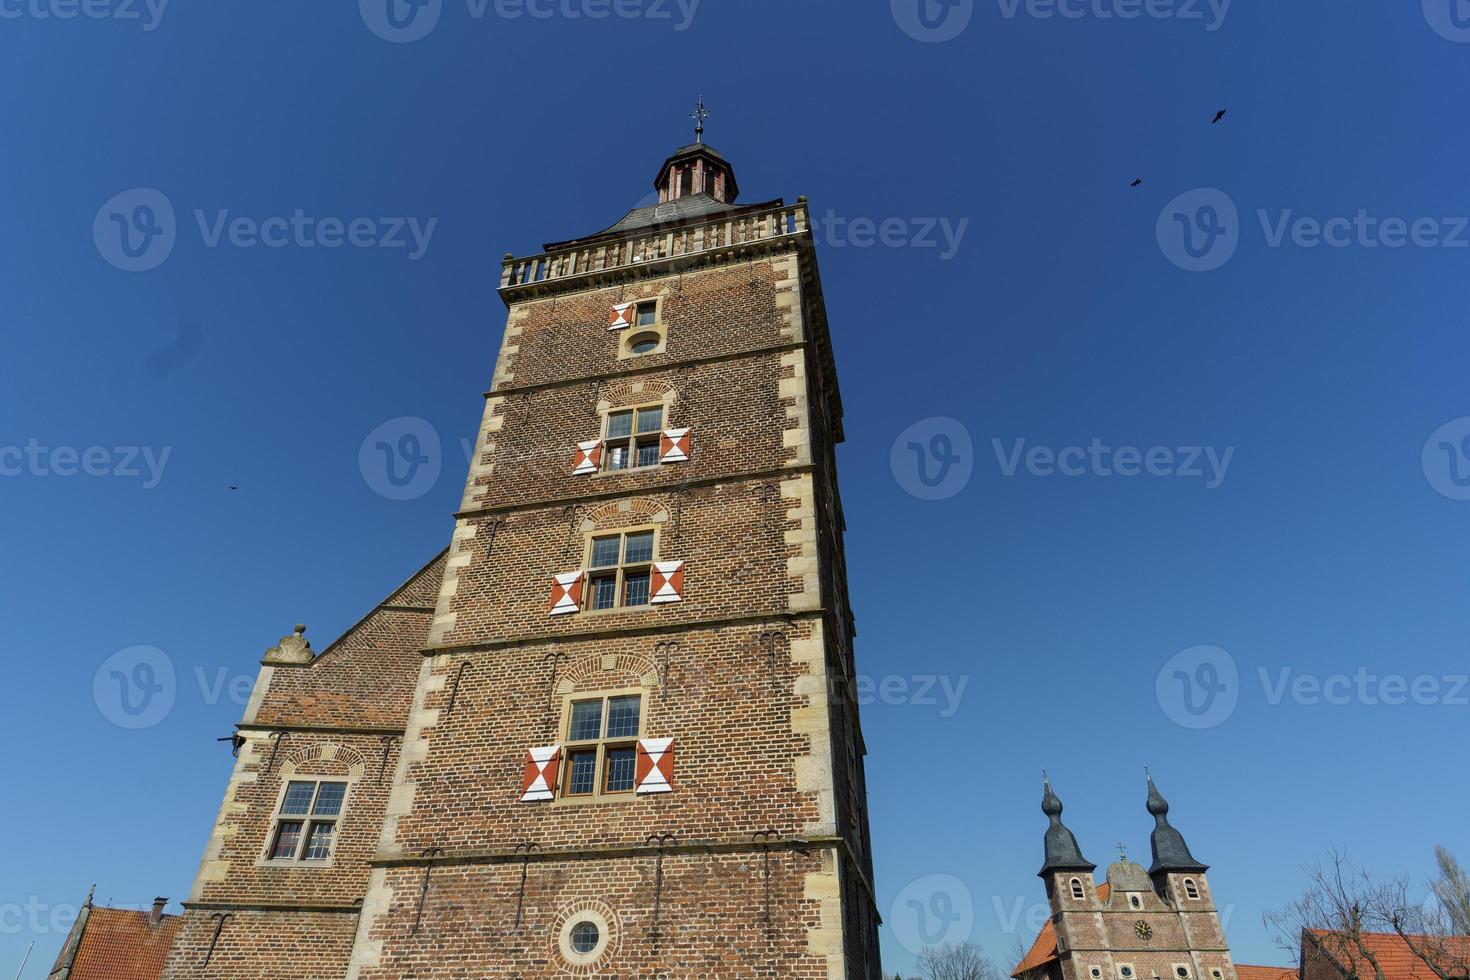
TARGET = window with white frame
x,y
1077,891
1191,890
306,823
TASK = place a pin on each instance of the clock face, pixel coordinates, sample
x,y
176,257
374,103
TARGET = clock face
x,y
1144,930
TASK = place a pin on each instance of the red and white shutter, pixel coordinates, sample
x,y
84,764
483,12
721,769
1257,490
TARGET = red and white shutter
x,y
539,782
673,446
668,582
589,457
655,772
621,317
566,593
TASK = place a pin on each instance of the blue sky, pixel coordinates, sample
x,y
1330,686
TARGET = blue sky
x,y
1063,614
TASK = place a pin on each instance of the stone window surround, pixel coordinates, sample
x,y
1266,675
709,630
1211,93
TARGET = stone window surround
x,y
601,743
266,861
588,570
626,335
606,469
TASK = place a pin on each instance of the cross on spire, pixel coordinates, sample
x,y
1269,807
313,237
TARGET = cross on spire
x,y
699,115
1122,851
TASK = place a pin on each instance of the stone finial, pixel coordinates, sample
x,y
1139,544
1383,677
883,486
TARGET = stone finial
x,y
293,649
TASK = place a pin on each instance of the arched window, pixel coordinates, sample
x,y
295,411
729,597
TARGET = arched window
x,y
1077,891
1191,890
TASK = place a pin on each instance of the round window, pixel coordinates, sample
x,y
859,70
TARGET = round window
x,y
585,936
643,343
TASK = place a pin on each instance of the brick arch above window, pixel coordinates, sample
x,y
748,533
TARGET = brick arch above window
x,y
635,391
626,513
323,759
609,670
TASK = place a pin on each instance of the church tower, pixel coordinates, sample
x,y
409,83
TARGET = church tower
x,y
1155,924
612,731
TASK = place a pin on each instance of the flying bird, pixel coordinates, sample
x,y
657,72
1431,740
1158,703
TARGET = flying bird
x,y
234,488
1136,182
1218,116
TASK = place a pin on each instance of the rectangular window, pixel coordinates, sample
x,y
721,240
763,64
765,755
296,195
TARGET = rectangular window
x,y
299,839
633,436
621,568
647,314
602,750
582,773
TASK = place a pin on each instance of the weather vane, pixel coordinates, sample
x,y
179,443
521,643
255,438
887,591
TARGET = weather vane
x,y
699,115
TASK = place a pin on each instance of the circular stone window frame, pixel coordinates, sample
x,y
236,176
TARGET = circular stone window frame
x,y
640,334
604,937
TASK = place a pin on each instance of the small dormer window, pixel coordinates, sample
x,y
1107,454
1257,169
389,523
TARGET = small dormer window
x,y
1191,890
1077,892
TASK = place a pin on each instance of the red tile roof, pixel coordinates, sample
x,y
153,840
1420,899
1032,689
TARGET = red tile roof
x,y
1395,958
118,944
1245,972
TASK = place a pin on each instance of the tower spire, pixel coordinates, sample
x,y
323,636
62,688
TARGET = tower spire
x,y
1170,851
699,115
1062,852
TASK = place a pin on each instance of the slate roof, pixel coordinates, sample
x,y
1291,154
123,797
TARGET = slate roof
x,y
119,944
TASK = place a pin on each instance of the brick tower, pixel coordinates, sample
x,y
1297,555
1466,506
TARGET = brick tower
x,y
611,731
1159,924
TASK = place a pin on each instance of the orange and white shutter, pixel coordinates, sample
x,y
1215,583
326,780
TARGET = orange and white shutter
x,y
673,446
566,593
667,583
621,317
589,458
655,772
539,782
